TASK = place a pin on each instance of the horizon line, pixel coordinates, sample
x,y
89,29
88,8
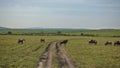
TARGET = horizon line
x,y
54,28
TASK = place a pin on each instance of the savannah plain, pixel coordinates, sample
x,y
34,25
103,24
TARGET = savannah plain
x,y
83,54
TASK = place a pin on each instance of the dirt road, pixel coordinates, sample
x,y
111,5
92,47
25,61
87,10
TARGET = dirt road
x,y
46,59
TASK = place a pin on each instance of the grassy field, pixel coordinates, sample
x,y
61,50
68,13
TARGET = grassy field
x,y
84,55
94,56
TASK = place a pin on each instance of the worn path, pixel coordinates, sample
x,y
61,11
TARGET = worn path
x,y
46,59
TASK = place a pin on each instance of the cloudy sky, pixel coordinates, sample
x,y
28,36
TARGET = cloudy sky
x,y
60,13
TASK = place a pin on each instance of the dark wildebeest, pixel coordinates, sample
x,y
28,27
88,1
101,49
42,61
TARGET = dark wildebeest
x,y
42,40
21,40
93,42
108,43
64,42
116,43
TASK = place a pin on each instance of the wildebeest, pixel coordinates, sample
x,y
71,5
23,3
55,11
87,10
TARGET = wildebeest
x,y
21,41
42,40
93,42
116,43
108,43
64,42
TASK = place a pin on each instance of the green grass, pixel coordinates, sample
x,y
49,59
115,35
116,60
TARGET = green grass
x,y
13,54
94,56
84,55
96,33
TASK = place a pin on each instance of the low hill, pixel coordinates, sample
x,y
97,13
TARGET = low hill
x,y
4,28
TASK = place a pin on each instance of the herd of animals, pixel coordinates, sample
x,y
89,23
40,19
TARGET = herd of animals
x,y
22,40
116,43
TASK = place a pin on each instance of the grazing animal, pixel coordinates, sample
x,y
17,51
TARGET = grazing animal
x,y
64,42
108,43
117,43
42,40
21,41
93,42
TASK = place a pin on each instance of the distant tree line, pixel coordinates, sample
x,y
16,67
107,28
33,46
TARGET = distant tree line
x,y
57,33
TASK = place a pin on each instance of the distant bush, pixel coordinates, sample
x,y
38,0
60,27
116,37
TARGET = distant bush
x,y
59,32
9,33
82,34
115,36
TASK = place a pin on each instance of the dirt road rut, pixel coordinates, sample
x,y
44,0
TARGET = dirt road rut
x,y
46,59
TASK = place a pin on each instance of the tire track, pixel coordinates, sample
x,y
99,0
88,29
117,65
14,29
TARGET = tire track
x,y
46,59
64,60
37,48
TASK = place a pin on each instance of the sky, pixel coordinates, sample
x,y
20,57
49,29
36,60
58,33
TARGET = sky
x,y
93,14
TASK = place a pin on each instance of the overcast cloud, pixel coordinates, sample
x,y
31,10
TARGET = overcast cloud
x,y
60,13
